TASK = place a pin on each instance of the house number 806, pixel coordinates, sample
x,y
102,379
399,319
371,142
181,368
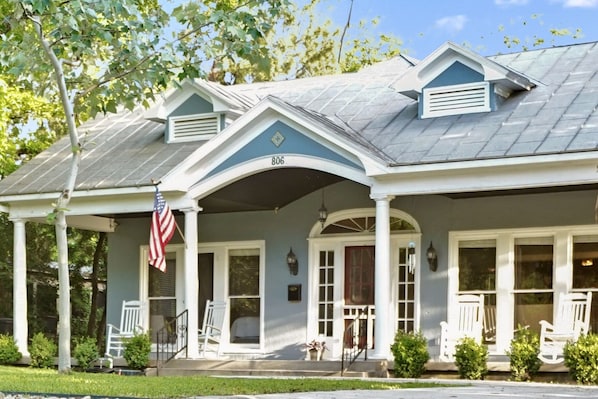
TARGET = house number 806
x,y
278,160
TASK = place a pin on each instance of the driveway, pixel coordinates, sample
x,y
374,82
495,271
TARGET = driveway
x,y
461,389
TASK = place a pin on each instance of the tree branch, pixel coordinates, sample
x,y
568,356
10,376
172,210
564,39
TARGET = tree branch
x,y
340,48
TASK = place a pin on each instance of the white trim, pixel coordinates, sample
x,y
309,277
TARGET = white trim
x,y
337,243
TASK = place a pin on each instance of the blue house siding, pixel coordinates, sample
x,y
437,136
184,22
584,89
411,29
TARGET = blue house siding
x,y
294,143
456,74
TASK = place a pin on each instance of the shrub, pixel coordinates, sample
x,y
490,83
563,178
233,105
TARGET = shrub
x,y
9,352
86,351
410,351
471,358
42,351
581,357
137,351
523,355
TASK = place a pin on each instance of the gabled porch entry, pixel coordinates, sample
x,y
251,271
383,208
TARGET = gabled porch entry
x,y
343,279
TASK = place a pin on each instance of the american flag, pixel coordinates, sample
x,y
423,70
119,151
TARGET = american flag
x,y
161,231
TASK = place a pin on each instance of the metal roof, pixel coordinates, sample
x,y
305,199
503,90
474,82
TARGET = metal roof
x,y
558,116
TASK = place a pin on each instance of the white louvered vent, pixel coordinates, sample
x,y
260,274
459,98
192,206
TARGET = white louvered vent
x,y
193,127
456,100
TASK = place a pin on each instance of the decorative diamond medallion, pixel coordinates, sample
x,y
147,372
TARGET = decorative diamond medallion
x,y
277,139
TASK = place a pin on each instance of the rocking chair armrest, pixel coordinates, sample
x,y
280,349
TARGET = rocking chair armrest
x,y
113,329
545,325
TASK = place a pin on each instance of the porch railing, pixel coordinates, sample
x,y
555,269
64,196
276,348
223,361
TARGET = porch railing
x,y
172,339
355,339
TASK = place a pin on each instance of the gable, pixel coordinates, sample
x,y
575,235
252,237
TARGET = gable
x,y
280,139
457,73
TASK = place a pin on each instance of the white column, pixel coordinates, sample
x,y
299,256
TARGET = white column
x,y
19,302
382,329
191,280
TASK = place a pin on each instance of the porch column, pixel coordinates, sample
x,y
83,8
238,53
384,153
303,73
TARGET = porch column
x,y
19,297
382,339
191,283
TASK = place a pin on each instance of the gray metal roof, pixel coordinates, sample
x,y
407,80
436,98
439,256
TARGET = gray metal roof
x,y
558,116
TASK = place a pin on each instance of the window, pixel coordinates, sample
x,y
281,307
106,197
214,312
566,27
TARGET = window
x,y
585,271
477,275
162,296
533,281
244,295
326,293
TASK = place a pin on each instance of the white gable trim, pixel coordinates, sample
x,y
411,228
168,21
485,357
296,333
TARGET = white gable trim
x,y
250,125
414,80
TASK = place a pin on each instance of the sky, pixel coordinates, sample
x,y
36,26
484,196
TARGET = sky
x,y
480,25
423,25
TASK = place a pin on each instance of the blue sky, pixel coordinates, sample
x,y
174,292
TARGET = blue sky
x,y
425,24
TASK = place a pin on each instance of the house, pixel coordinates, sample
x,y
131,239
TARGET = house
x,y
487,163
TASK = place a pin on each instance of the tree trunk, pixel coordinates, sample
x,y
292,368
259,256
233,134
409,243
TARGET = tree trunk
x,y
93,312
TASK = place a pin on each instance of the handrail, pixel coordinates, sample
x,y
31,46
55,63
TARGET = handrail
x,y
172,338
355,334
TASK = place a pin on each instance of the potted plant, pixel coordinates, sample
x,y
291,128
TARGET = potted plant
x,y
316,349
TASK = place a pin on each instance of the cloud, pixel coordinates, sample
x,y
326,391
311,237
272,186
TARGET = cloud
x,y
452,24
580,3
511,2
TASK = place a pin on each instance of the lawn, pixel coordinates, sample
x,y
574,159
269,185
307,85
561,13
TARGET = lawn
x,y
28,380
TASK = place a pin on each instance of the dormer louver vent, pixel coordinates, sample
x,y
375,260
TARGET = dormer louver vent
x,y
455,100
193,127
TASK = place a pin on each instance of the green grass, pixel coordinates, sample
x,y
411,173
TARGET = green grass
x,y
28,380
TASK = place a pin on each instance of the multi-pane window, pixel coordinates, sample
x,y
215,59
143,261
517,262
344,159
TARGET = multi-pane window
x,y
406,294
533,270
244,295
326,293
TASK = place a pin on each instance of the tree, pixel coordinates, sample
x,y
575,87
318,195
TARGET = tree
x,y
101,54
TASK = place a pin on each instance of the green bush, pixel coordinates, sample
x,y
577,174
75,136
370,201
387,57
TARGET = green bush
x,y
523,355
410,351
42,351
137,351
9,352
471,359
86,351
581,357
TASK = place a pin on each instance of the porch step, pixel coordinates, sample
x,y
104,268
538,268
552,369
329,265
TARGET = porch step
x,y
296,368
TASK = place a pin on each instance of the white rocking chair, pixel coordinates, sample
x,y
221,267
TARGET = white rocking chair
x,y
467,323
211,329
131,322
572,320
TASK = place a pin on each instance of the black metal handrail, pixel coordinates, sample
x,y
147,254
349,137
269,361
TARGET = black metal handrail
x,y
355,340
172,338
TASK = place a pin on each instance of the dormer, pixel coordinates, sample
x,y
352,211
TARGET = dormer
x,y
456,81
196,111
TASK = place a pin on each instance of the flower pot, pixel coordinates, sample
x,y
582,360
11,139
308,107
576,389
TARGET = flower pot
x,y
316,354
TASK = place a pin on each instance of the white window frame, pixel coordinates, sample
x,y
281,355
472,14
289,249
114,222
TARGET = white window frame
x,y
505,244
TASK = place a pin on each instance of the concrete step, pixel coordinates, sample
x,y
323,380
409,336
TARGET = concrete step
x,y
297,368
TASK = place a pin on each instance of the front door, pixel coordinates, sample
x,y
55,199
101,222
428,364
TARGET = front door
x,y
359,290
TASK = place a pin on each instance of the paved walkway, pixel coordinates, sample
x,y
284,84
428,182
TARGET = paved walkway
x,y
461,389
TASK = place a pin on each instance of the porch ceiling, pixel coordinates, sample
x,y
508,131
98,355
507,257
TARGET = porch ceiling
x,y
267,190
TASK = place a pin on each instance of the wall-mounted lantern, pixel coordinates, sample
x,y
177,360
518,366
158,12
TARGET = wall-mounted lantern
x,y
292,262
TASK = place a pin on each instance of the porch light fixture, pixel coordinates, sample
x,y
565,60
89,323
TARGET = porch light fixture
x,y
411,257
432,257
322,212
292,262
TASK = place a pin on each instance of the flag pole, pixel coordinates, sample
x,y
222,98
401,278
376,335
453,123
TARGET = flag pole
x,y
155,183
